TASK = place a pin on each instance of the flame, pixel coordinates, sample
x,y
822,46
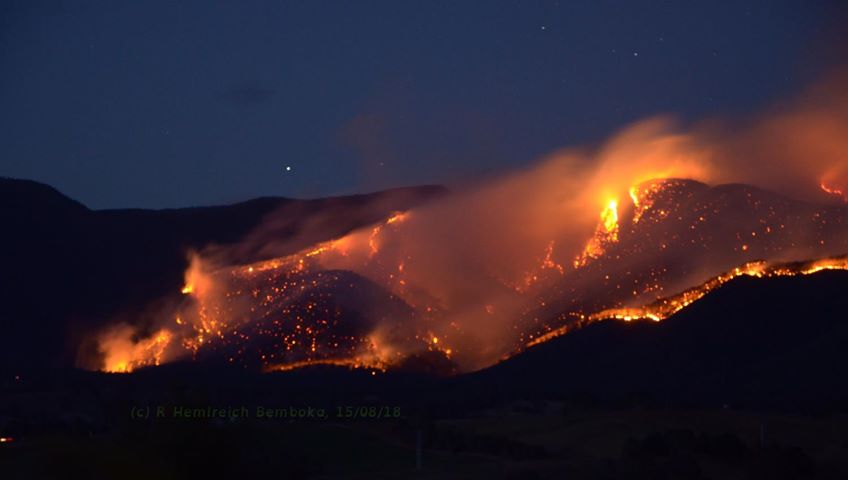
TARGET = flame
x,y
609,217
642,196
834,191
606,233
123,354
397,217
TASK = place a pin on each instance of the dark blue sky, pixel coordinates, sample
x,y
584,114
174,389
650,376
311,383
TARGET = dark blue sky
x,y
163,103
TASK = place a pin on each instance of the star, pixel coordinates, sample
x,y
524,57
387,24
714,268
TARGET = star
x,y
543,27
288,168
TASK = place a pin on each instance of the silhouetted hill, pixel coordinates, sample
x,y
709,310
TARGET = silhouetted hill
x,y
774,341
66,268
26,198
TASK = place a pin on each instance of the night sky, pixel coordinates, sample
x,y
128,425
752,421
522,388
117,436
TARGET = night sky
x,y
166,104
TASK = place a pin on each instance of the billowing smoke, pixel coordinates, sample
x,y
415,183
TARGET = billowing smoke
x,y
476,275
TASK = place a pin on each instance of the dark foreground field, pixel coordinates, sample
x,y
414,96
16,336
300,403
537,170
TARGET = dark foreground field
x,y
759,395
516,440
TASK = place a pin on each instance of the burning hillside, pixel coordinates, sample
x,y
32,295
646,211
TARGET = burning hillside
x,y
360,300
633,229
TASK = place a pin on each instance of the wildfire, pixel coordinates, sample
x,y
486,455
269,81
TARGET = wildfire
x,y
283,314
123,354
610,218
838,192
642,196
300,321
605,234
397,217
548,262
484,273
666,307
351,363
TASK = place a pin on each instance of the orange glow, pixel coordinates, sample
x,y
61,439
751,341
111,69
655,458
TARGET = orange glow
x,y
207,319
397,217
548,261
606,234
634,196
210,321
834,191
372,240
351,363
122,354
609,217
666,307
